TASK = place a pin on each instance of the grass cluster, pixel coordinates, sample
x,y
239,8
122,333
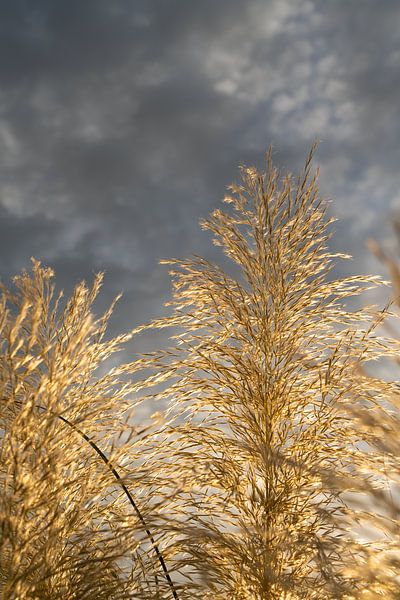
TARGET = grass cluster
x,y
273,449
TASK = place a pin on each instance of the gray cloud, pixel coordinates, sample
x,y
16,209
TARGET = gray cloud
x,y
122,122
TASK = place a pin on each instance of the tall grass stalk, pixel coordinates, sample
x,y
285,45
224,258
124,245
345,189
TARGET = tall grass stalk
x,y
264,357
71,526
377,478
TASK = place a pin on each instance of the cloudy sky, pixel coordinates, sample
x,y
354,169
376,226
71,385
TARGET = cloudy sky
x,y
122,122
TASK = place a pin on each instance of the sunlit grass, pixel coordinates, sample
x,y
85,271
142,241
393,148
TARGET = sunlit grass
x,y
246,488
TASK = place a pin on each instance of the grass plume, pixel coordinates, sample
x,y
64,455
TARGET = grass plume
x,y
256,377
70,526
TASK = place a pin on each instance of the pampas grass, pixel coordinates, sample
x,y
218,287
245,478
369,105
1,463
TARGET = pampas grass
x,y
377,478
264,360
242,489
70,525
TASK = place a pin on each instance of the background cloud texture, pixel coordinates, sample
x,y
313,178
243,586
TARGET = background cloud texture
x,y
121,124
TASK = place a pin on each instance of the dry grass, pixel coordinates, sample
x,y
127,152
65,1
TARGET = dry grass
x,y
240,492
377,479
257,379
70,524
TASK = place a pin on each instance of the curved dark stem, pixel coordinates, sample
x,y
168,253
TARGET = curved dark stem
x,y
129,496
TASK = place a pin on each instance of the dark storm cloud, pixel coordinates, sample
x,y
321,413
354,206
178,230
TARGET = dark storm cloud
x,y
122,122
29,235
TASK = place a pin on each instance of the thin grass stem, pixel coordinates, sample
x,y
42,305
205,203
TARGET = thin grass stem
x,y
118,477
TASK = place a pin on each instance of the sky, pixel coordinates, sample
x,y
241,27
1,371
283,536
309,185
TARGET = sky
x,y
122,122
